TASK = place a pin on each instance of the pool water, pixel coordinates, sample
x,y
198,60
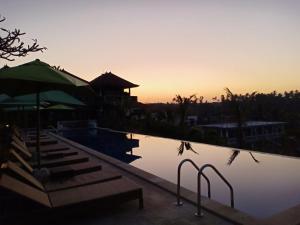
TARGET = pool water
x,y
264,184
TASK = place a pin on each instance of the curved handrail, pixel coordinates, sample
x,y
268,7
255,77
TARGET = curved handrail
x,y
178,179
200,172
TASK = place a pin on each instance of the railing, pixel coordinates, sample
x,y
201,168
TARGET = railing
x,y
179,203
201,174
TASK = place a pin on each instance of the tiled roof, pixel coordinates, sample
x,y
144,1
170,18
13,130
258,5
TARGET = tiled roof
x,y
111,80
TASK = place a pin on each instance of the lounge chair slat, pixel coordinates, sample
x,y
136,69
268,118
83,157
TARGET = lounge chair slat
x,y
51,148
21,160
27,176
81,180
25,190
74,169
63,161
42,142
111,189
22,149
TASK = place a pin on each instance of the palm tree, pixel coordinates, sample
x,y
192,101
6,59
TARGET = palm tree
x,y
183,106
234,155
185,145
235,103
239,104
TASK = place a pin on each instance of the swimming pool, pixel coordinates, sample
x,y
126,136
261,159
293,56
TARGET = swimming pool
x,y
264,184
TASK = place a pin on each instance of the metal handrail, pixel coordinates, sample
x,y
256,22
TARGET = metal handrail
x,y
178,203
200,172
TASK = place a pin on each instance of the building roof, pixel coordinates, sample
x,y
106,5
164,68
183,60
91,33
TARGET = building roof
x,y
111,80
247,124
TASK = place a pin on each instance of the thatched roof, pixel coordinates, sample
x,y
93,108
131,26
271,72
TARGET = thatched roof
x,y
110,80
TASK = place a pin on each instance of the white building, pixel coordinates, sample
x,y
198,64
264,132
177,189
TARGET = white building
x,y
253,131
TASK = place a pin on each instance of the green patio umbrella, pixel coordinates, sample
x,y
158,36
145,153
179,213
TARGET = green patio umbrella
x,y
13,102
34,77
24,108
53,96
59,107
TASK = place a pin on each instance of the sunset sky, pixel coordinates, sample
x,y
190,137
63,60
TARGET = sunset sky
x,y
167,47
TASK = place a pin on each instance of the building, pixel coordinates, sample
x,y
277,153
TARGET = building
x,y
114,100
114,90
253,131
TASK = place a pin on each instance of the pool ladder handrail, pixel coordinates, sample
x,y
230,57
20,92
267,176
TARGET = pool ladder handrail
x,y
179,203
201,174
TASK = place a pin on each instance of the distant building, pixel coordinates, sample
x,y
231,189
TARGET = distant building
x,y
113,89
253,131
191,120
114,97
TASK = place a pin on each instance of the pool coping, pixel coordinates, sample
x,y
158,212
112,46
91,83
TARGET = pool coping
x,y
288,217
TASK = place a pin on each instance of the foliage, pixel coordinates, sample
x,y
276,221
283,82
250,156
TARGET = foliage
x,y
11,45
183,106
185,145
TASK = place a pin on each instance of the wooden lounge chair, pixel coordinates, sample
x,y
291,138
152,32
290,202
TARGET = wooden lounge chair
x,y
51,148
62,167
105,188
43,148
47,155
86,185
42,142
49,163
44,139
54,155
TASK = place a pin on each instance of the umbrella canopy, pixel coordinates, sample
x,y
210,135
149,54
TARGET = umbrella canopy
x,y
59,107
12,102
34,77
51,96
24,108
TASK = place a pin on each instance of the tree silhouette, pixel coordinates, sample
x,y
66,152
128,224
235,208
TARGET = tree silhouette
x,y
184,145
239,104
183,104
234,155
235,105
11,45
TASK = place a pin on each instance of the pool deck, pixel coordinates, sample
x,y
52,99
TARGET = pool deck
x,y
159,198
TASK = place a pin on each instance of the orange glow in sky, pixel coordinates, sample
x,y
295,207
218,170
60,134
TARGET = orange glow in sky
x,y
168,47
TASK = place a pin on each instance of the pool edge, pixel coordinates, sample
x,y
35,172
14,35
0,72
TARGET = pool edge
x,y
223,211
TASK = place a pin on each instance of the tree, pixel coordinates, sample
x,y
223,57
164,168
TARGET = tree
x,y
185,145
183,104
11,45
235,102
235,153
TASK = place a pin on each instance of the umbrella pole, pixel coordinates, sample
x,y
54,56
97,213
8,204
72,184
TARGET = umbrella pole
x,y
38,129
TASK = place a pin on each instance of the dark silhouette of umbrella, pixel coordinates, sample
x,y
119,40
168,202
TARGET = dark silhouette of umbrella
x,y
59,107
34,77
53,96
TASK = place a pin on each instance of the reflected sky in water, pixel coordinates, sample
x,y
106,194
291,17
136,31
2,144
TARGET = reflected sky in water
x,y
264,184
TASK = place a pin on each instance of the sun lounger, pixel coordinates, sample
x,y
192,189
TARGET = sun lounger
x,y
42,142
87,182
55,155
103,188
75,169
44,155
61,168
48,163
51,148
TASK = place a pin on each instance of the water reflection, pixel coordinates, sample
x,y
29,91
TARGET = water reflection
x,y
184,145
234,155
118,145
266,186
